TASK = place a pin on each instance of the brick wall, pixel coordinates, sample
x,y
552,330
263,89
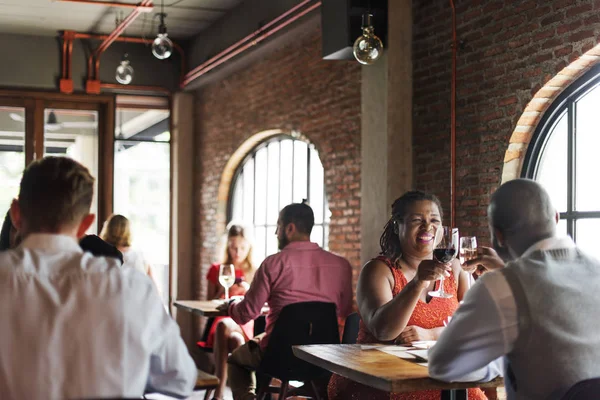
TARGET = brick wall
x,y
292,89
511,50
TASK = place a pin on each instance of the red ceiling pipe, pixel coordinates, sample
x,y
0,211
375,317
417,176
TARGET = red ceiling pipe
x,y
66,83
146,8
191,75
93,83
453,122
134,40
221,57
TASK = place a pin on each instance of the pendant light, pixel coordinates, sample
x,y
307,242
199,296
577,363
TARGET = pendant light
x,y
162,47
124,73
367,48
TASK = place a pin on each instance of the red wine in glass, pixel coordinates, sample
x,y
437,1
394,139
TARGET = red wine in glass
x,y
445,251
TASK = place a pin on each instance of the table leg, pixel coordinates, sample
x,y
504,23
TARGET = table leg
x,y
454,394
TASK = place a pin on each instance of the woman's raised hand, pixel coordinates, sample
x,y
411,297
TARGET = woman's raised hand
x,y
431,270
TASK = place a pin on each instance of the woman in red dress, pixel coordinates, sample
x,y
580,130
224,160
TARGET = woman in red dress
x,y
392,291
225,335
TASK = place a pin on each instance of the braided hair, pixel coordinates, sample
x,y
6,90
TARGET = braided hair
x,y
389,240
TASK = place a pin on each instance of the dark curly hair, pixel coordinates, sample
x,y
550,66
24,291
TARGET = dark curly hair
x,y
389,241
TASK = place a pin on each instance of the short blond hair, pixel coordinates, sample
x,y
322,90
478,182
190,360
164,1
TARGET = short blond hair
x,y
117,231
55,192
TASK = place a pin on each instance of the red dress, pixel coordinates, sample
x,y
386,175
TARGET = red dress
x,y
236,290
425,315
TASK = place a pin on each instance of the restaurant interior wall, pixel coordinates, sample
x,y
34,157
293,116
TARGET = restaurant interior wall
x,y
35,63
293,89
507,52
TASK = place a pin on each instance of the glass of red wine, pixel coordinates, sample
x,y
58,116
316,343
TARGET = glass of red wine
x,y
445,251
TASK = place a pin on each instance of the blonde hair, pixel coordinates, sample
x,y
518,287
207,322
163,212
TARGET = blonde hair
x,y
116,231
239,231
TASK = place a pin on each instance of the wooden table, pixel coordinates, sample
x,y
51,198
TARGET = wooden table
x,y
380,370
205,308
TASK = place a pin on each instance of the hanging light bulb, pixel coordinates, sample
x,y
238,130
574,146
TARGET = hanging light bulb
x,y
162,47
124,71
368,47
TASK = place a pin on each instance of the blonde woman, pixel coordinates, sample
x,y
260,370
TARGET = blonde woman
x,y
225,335
117,231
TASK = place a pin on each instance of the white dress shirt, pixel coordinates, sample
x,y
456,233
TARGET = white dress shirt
x,y
483,329
77,326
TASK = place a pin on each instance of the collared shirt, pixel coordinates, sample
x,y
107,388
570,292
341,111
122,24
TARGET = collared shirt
x,y
301,272
78,326
483,329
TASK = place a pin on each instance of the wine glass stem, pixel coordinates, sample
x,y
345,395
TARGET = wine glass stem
x,y
226,293
441,289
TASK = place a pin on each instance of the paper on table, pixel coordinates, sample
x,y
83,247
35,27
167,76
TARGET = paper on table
x,y
424,344
422,354
369,346
402,353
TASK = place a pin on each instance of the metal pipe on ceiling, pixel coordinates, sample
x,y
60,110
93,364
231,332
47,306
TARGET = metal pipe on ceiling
x,y
145,8
250,40
453,122
111,38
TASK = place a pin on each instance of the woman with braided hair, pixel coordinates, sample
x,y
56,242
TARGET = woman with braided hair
x,y
392,290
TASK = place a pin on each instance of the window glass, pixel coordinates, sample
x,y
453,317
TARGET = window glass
x,y
588,143
142,186
553,164
12,155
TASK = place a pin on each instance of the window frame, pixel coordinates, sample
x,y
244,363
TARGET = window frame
x,y
565,102
36,102
325,224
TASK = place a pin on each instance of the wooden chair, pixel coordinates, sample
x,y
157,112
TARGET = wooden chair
x,y
300,323
588,389
206,381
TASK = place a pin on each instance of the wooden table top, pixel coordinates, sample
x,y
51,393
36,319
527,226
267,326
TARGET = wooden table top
x,y
205,308
378,369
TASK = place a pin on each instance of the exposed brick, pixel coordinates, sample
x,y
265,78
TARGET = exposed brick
x,y
540,39
291,89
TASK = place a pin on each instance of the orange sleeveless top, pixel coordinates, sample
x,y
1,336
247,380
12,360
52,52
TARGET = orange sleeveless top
x,y
425,315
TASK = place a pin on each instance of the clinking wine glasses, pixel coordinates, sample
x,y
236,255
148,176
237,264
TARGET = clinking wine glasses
x,y
445,251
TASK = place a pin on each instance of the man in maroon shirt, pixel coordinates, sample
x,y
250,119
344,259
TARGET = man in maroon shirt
x,y
300,272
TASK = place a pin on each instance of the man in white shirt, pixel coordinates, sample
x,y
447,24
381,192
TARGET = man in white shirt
x,y
536,314
75,325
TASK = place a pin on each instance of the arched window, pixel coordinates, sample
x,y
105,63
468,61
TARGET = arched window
x,y
279,171
563,156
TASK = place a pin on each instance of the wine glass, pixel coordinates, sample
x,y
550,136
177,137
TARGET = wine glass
x,y
445,251
227,277
468,249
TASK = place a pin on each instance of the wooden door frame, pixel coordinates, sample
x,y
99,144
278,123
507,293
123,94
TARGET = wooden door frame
x,y
35,103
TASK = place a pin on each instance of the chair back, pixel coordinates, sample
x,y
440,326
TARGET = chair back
x,y
311,322
351,326
584,390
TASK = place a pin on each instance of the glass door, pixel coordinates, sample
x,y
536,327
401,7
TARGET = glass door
x,y
74,134
12,154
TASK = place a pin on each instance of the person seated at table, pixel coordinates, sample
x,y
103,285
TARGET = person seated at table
x,y
392,291
9,236
537,312
225,335
101,331
300,272
117,232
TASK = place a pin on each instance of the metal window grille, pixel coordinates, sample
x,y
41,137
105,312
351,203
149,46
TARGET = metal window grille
x,y
278,172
